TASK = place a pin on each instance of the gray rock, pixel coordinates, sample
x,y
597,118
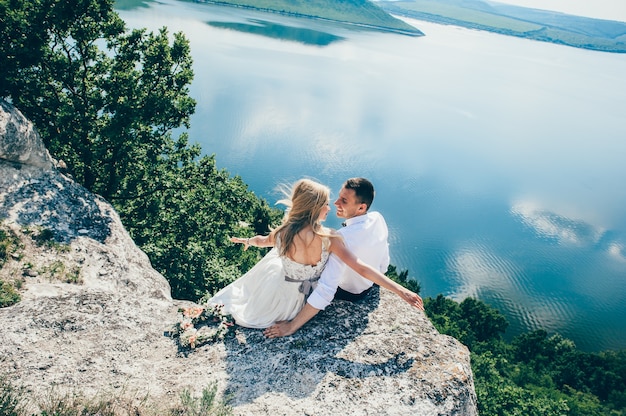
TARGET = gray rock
x,y
108,332
19,141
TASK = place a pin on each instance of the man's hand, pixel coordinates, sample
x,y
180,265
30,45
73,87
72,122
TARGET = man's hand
x,y
279,329
413,299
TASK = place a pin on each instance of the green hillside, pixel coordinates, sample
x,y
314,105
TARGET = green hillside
x,y
542,25
358,12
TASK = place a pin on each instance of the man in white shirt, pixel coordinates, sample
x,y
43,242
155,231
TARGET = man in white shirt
x,y
365,234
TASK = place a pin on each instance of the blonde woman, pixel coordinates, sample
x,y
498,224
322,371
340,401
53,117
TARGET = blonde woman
x,y
275,289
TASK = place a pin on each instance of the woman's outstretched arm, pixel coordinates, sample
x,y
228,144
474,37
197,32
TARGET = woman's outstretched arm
x,y
256,241
338,247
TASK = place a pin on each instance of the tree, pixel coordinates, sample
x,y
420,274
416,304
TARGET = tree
x,y
472,322
403,278
486,323
184,222
498,395
108,115
537,373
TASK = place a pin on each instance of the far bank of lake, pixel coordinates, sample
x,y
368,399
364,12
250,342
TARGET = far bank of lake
x,y
523,22
511,20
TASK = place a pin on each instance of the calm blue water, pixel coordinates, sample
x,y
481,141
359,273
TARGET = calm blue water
x,y
498,162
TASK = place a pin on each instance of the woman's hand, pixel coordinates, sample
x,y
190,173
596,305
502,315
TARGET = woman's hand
x,y
238,240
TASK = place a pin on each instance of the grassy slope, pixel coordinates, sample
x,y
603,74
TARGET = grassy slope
x,y
361,12
581,32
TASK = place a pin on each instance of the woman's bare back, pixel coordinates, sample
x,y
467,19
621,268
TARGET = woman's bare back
x,y
306,247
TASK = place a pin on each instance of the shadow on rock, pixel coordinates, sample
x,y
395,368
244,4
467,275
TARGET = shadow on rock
x,y
56,203
294,365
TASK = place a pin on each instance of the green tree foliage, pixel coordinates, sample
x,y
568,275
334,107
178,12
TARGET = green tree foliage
x,y
471,322
484,322
403,278
184,220
602,375
499,395
536,373
109,114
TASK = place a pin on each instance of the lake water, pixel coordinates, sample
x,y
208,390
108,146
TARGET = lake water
x,y
499,162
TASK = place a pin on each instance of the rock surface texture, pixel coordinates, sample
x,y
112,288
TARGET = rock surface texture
x,y
104,330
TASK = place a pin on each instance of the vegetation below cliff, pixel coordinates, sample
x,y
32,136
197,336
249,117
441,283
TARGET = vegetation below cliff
x,y
542,25
536,373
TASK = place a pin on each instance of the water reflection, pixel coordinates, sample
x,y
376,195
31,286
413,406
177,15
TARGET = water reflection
x,y
278,31
131,4
552,225
569,231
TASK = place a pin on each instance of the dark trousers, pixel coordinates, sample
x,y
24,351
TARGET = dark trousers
x,y
345,295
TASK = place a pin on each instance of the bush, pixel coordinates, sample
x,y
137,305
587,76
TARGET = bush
x,y
9,244
205,405
8,295
10,398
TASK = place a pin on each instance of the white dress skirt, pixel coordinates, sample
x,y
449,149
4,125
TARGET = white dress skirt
x,y
275,289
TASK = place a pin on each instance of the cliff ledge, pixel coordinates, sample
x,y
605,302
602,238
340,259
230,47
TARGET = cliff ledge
x,y
94,315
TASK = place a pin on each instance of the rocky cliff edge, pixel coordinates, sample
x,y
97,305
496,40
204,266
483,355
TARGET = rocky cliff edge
x,y
94,315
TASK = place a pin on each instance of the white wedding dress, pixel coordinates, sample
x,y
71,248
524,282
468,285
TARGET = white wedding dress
x,y
275,289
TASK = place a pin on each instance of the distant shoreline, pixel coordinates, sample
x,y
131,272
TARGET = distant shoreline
x,y
526,23
415,33
538,25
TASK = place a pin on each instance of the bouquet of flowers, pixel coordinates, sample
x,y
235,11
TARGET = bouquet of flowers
x,y
202,324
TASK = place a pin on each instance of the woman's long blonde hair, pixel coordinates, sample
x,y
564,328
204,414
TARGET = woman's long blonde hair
x,y
304,206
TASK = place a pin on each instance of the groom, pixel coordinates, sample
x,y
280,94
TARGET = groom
x,y
365,234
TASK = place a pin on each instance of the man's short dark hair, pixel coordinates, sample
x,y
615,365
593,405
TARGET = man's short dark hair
x,y
363,189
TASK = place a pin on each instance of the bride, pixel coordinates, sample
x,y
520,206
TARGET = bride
x,y
276,288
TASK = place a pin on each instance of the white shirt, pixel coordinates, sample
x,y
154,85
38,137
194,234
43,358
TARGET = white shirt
x,y
366,237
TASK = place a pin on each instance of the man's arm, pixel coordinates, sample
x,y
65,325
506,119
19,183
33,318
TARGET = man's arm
x,y
284,328
339,248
